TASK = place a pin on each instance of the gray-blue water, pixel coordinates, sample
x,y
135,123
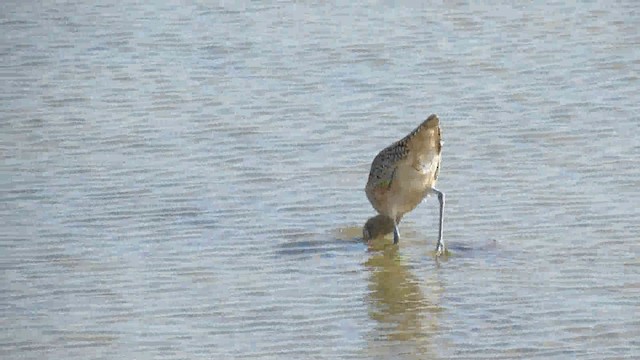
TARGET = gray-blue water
x,y
184,180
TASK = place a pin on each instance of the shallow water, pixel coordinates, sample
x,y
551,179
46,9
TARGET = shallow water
x,y
186,181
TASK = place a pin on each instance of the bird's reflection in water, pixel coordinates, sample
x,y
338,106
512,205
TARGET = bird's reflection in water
x,y
404,307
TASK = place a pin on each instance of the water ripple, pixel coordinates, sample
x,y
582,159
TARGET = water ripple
x,y
186,180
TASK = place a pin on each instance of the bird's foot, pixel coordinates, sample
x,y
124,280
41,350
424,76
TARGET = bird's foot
x,y
440,250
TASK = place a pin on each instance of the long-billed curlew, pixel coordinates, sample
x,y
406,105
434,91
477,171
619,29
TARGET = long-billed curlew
x,y
403,174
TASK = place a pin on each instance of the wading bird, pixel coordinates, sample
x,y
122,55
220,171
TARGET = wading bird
x,y
402,175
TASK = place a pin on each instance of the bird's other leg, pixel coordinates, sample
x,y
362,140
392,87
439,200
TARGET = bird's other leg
x,y
440,246
396,232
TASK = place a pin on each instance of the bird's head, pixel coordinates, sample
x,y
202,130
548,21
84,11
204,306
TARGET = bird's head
x,y
376,226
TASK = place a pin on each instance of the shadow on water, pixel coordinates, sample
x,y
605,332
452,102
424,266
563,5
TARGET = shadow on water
x,y
349,239
404,308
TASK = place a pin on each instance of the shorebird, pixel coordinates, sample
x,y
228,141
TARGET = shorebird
x,y
402,175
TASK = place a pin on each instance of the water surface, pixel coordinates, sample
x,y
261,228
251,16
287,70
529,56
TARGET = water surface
x,y
185,180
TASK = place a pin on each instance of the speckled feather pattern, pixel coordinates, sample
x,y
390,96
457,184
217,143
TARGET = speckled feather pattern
x,y
383,164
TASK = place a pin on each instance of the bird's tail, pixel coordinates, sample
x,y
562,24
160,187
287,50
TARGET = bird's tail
x,y
426,137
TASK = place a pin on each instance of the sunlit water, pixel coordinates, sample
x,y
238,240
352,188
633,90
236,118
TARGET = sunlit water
x,y
186,181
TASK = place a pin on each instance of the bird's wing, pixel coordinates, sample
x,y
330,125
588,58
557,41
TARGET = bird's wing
x,y
420,149
383,168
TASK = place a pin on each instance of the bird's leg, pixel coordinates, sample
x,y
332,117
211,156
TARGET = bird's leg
x,y
440,245
396,232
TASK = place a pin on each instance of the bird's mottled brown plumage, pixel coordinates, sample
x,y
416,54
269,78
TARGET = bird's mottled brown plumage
x,y
405,172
